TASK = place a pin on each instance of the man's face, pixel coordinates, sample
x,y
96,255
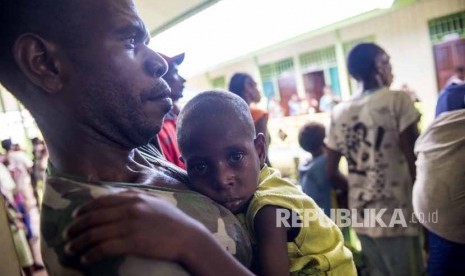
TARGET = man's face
x,y
175,81
224,163
115,85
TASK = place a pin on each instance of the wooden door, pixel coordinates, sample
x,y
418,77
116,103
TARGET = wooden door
x,y
447,56
314,83
287,87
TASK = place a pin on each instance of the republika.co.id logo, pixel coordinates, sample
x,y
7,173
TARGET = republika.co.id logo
x,y
365,218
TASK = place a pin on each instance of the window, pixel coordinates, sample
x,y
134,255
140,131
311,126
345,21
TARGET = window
x,y
274,70
219,82
451,25
320,58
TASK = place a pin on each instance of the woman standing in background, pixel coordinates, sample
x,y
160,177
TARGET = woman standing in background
x,y
244,86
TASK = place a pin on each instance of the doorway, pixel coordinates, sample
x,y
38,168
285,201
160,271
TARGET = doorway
x,y
287,87
314,82
447,56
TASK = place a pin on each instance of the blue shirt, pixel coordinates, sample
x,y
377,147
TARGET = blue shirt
x,y
312,178
451,98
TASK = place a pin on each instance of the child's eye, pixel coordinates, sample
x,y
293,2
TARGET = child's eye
x,y
236,157
200,168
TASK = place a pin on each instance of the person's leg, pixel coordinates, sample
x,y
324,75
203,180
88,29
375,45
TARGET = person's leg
x,y
23,251
402,255
445,257
372,254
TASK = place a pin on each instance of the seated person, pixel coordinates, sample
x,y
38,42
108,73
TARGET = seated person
x,y
84,71
225,160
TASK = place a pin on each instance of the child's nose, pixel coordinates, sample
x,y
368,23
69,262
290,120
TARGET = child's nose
x,y
225,176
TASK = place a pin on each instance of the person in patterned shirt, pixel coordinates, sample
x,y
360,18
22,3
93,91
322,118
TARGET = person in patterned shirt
x,y
376,132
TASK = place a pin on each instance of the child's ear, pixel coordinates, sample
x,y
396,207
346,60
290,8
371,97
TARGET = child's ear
x,y
260,147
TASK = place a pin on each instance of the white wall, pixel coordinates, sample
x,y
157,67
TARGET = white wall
x,y
202,82
402,33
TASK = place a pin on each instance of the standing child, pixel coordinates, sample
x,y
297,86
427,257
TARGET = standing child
x,y
225,160
312,174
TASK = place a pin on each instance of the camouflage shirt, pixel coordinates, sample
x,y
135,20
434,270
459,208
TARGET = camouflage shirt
x,y
63,194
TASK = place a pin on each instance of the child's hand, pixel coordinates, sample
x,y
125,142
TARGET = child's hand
x,y
130,223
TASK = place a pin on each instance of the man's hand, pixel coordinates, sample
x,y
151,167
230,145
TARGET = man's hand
x,y
130,223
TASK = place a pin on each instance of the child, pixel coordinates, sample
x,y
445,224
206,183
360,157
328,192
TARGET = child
x,y
312,174
225,161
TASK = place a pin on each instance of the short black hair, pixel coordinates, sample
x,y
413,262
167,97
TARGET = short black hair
x,y
237,83
59,21
7,144
213,105
311,136
361,61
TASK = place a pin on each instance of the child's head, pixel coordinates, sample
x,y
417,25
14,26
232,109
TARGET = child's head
x,y
311,137
223,156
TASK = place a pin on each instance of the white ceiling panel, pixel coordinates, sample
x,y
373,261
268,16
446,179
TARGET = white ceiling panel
x,y
159,15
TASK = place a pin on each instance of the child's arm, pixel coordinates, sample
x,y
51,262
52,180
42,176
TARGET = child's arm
x,y
271,242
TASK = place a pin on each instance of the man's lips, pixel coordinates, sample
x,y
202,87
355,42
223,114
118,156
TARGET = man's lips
x,y
159,92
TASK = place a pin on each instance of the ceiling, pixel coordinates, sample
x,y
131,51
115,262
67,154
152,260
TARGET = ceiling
x,y
159,15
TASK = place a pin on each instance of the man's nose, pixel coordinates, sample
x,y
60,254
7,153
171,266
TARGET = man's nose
x,y
155,65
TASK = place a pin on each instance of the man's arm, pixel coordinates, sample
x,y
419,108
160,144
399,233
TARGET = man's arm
x,y
272,243
407,144
132,223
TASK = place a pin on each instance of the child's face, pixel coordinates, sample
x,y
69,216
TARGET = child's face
x,y
223,163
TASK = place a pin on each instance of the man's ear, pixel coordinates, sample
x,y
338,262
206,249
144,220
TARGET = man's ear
x,y
260,147
39,61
